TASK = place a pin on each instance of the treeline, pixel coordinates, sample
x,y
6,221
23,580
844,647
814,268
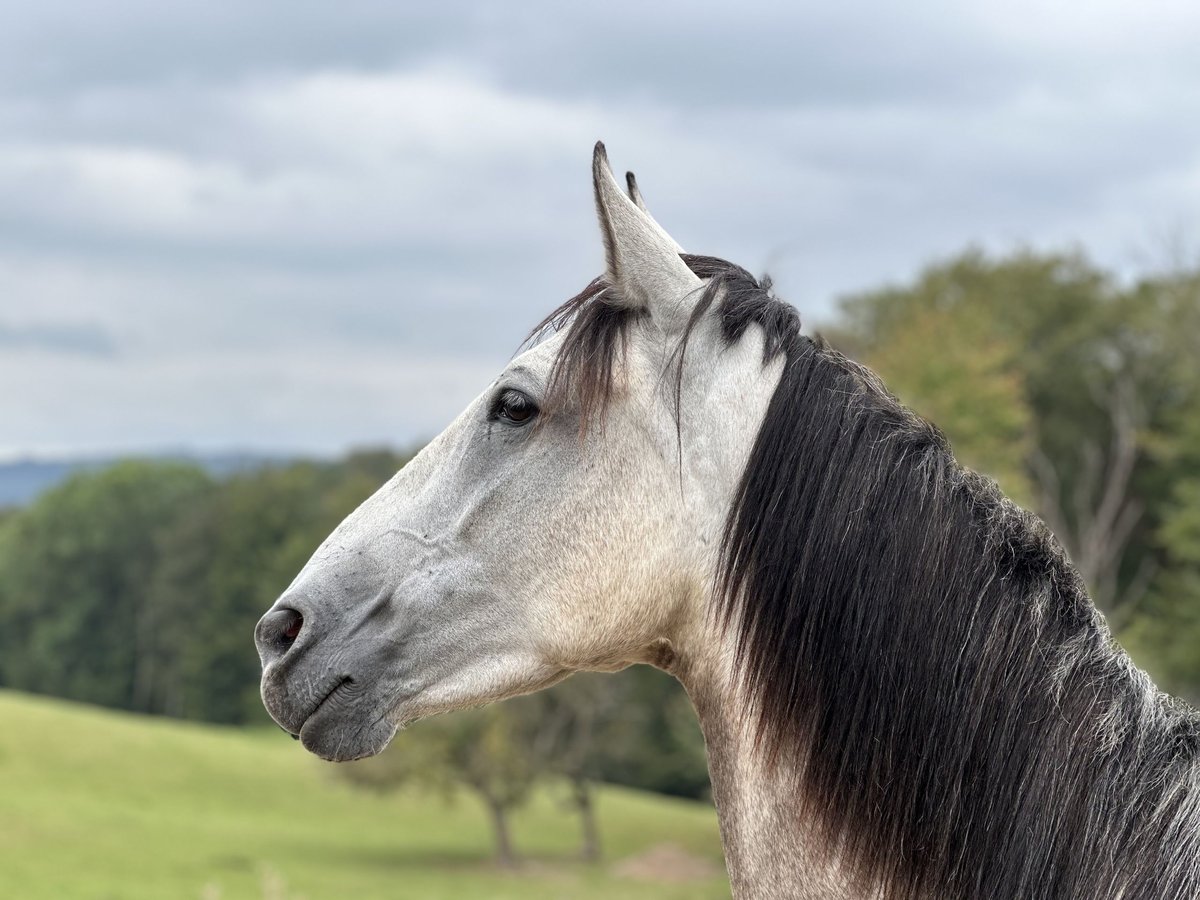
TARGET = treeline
x,y
138,586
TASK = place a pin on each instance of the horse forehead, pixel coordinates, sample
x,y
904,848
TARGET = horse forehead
x,y
642,363
536,362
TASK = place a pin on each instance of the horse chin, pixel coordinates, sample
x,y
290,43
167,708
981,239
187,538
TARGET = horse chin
x,y
341,737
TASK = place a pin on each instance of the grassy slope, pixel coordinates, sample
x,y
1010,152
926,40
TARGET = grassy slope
x,y
96,804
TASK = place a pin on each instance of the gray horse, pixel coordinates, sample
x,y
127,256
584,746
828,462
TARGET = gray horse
x,y
904,688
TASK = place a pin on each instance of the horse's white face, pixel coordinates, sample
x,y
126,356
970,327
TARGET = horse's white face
x,y
513,551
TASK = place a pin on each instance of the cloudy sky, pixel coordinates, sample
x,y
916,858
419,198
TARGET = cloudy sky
x,y
306,226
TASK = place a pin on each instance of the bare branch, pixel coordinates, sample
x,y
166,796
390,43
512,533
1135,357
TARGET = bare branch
x,y
1104,515
1050,491
1130,599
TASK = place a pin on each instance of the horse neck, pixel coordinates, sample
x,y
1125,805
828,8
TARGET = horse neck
x,y
769,849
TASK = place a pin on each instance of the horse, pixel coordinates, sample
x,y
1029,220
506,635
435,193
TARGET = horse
x,y
904,687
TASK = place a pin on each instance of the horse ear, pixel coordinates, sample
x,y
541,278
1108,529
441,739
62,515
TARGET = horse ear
x,y
635,194
643,262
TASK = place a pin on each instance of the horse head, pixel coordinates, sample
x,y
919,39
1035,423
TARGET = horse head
x,y
569,519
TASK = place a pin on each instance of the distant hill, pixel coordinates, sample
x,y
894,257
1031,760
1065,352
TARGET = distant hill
x,y
23,479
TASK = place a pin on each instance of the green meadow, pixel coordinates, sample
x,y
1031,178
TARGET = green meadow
x,y
106,805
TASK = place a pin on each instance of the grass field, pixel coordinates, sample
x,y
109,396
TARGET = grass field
x,y
97,804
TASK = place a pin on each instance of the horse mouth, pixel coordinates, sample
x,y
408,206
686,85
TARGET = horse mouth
x,y
315,708
344,724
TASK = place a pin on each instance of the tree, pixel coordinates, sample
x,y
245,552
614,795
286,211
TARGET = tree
x,y
483,751
971,385
567,730
77,618
1166,633
649,737
1068,388
636,727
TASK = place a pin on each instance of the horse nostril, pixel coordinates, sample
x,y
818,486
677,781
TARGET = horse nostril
x,y
291,626
277,632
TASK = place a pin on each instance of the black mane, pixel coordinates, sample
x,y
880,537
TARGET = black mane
x,y
919,649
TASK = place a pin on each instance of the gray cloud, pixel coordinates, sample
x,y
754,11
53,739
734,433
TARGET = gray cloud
x,y
322,225
73,339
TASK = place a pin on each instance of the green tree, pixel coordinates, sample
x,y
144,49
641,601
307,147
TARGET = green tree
x,y
635,728
1167,633
649,738
954,367
77,617
1081,390
568,729
484,751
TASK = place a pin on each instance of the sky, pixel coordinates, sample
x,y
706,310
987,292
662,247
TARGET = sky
x,y
302,227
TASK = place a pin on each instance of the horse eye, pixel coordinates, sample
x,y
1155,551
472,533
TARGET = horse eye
x,y
514,408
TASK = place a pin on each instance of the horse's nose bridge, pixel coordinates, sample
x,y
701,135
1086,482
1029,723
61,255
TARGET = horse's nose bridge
x,y
348,586
370,614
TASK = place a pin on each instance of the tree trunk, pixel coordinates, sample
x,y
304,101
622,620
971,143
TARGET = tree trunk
x,y
144,674
504,846
582,796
